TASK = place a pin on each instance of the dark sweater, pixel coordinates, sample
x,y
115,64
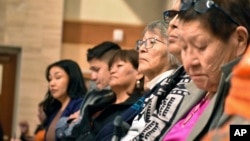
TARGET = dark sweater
x,y
98,115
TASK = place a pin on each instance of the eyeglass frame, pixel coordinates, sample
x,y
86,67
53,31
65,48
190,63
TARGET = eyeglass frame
x,y
209,4
137,47
168,15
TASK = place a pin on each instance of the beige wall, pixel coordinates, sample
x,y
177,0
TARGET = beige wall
x,y
130,12
135,12
35,27
78,53
72,9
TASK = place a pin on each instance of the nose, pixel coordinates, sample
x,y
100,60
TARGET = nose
x,y
189,58
93,76
173,23
51,83
112,69
142,48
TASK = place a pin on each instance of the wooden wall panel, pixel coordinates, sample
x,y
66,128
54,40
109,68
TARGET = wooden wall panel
x,y
81,32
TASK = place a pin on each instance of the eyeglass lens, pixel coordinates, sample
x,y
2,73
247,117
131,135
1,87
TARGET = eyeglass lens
x,y
148,43
169,15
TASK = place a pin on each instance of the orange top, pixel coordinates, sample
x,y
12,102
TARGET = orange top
x,y
238,100
40,135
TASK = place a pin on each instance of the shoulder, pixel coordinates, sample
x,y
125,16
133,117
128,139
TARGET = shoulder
x,y
133,98
73,106
75,102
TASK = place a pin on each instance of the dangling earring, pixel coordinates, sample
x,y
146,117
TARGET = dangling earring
x,y
138,84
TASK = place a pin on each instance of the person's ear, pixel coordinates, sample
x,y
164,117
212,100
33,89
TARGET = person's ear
x,y
139,76
242,38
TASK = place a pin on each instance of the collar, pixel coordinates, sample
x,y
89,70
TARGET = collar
x,y
227,68
159,78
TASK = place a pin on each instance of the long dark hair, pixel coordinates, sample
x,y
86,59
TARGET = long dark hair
x,y
76,87
131,56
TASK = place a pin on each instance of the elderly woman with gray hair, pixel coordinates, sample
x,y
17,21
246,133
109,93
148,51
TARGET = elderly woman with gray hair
x,y
166,84
158,66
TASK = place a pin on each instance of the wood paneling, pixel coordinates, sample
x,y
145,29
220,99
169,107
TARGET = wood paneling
x,y
95,33
7,92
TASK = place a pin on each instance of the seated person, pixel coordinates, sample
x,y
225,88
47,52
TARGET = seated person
x,y
236,103
123,78
66,89
39,132
215,41
98,58
167,84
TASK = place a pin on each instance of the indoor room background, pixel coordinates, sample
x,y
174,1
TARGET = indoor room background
x,y
36,33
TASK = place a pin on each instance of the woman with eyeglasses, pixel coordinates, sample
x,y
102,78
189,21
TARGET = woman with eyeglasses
x,y
216,34
166,85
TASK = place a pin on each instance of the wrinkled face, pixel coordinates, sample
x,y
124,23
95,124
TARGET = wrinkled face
x,y
99,73
153,61
204,54
58,82
122,74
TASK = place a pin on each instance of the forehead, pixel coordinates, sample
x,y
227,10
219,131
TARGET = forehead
x,y
56,70
119,60
154,33
192,29
176,5
97,63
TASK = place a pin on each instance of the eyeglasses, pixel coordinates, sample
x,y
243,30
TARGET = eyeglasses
x,y
169,15
202,6
148,43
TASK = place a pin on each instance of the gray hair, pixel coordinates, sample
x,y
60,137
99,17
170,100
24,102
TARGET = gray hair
x,y
160,28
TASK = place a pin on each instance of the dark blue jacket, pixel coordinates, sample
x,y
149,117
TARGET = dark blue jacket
x,y
72,107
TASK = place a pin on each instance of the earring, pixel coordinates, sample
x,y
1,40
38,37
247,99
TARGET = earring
x,y
138,84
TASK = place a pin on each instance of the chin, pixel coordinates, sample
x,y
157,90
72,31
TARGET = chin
x,y
204,86
200,85
143,70
99,87
56,97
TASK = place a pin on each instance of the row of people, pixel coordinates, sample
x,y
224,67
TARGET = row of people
x,y
114,90
187,60
208,57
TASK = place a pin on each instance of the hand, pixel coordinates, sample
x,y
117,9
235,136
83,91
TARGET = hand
x,y
74,116
24,127
14,139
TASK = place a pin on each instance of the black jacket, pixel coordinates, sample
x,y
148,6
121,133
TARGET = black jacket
x,y
106,111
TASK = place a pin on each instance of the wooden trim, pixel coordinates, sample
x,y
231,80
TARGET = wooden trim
x,y
94,33
87,76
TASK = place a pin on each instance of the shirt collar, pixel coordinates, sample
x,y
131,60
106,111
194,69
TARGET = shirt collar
x,y
159,78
